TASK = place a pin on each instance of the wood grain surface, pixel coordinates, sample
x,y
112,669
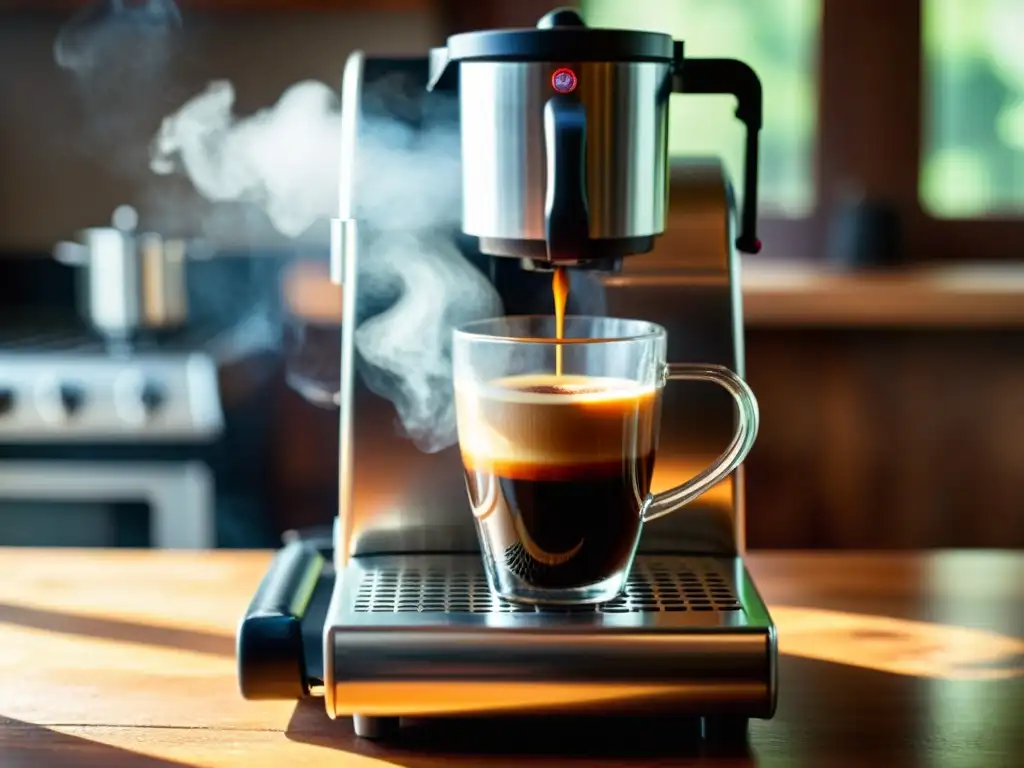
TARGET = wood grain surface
x,y
126,659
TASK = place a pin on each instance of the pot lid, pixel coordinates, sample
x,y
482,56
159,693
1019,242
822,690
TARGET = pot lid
x,y
560,35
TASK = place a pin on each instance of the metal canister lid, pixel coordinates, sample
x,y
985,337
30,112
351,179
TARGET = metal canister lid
x,y
561,35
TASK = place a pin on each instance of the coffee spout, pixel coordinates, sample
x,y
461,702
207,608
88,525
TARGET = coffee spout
x,y
612,265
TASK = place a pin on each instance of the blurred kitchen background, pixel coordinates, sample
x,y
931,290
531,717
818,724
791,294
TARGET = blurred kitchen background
x,y
885,318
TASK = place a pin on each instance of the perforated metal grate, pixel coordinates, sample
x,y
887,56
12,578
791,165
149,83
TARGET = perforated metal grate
x,y
652,586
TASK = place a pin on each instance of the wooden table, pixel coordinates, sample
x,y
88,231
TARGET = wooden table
x,y
126,659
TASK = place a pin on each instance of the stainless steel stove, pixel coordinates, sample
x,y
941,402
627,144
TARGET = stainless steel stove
x,y
89,426
71,385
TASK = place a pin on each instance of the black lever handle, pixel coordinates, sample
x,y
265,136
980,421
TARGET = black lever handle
x,y
730,76
566,214
270,654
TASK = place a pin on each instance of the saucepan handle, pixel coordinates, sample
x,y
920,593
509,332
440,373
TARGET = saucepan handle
x,y
663,503
72,254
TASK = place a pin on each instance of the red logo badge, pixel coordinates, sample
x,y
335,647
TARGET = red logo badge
x,y
564,80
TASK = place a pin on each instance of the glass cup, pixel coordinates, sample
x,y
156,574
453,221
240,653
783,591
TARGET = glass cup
x,y
558,440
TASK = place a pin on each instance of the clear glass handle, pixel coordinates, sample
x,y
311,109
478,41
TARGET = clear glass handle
x,y
665,502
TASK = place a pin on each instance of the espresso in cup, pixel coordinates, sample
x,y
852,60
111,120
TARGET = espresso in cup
x,y
558,468
559,447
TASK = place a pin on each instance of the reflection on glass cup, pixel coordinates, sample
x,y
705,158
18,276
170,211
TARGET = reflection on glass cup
x,y
559,465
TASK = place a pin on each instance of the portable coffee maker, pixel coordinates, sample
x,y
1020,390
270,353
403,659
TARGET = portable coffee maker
x,y
564,142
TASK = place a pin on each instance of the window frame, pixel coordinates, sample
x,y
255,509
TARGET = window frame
x,y
855,113
871,107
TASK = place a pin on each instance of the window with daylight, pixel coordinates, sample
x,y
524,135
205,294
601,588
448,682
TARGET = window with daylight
x,y
973,148
779,39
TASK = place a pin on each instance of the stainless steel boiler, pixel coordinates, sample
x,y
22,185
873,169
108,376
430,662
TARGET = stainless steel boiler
x,y
563,134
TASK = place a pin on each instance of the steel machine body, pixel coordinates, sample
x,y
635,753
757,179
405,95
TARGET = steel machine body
x,y
390,614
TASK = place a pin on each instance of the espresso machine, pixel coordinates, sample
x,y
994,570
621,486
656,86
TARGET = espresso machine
x,y
562,137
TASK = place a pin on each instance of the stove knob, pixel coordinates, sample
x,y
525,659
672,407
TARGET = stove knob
x,y
136,398
152,397
72,398
58,402
6,400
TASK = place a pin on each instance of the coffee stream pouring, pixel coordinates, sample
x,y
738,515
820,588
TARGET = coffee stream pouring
x,y
564,164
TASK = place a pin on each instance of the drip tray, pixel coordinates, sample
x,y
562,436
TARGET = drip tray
x,y
422,635
655,584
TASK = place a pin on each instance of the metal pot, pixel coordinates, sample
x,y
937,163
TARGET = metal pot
x,y
129,283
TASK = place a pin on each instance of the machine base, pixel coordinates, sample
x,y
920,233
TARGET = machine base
x,y
422,636
376,728
711,730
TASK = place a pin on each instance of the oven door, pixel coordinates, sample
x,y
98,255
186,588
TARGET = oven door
x,y
167,505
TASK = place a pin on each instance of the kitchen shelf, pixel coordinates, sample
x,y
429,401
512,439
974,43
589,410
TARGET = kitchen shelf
x,y
792,294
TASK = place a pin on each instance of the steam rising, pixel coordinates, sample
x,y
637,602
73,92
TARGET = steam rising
x,y
282,159
111,34
409,345
117,54
285,159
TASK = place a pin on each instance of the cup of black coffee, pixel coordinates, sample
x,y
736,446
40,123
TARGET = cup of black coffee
x,y
559,449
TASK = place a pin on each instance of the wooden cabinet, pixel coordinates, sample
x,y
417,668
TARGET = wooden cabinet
x,y
239,5
886,438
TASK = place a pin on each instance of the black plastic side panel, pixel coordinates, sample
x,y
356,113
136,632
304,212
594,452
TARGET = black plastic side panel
x,y
272,662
